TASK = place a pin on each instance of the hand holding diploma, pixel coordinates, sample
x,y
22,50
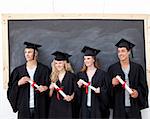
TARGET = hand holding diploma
x,y
33,84
87,85
80,83
25,80
115,81
59,90
124,84
68,98
134,94
40,88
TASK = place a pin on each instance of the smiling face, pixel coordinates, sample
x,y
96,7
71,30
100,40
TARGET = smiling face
x,y
123,54
89,61
59,65
29,54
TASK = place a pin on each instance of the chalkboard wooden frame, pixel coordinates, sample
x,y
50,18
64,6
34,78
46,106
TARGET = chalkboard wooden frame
x,y
8,17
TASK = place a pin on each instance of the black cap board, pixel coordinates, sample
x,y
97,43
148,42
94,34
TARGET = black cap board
x,y
61,56
88,51
32,45
126,44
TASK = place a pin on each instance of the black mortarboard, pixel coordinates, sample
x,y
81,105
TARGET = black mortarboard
x,y
88,51
125,43
32,45
61,56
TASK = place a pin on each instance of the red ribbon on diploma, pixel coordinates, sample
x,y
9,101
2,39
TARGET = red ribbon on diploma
x,y
33,84
86,87
58,89
124,84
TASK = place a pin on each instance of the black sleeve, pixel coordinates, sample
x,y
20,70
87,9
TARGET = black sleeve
x,y
104,97
75,86
12,92
110,86
78,90
46,78
142,89
48,72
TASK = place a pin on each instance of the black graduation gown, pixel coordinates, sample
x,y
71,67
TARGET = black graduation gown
x,y
18,96
75,101
137,81
99,102
59,108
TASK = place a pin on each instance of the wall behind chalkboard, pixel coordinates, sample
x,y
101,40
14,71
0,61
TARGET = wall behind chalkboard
x,y
70,35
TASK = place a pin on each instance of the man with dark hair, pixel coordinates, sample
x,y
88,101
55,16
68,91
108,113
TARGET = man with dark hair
x,y
127,105
30,100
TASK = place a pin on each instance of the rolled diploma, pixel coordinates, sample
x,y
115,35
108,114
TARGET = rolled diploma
x,y
35,85
85,83
60,91
126,86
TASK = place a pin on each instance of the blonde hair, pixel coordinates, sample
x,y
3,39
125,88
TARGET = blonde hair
x,y
96,64
55,72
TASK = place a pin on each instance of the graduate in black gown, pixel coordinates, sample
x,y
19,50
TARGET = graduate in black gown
x,y
31,103
125,105
62,75
94,104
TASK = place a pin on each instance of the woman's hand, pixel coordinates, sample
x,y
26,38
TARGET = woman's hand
x,y
97,90
68,98
42,88
80,83
51,87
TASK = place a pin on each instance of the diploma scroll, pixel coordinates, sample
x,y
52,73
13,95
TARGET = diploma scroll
x,y
86,84
60,91
125,85
33,84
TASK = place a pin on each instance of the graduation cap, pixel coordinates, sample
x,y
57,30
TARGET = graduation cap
x,y
88,51
61,56
32,45
126,44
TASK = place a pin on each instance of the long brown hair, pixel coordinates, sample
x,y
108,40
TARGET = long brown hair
x,y
55,72
96,64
